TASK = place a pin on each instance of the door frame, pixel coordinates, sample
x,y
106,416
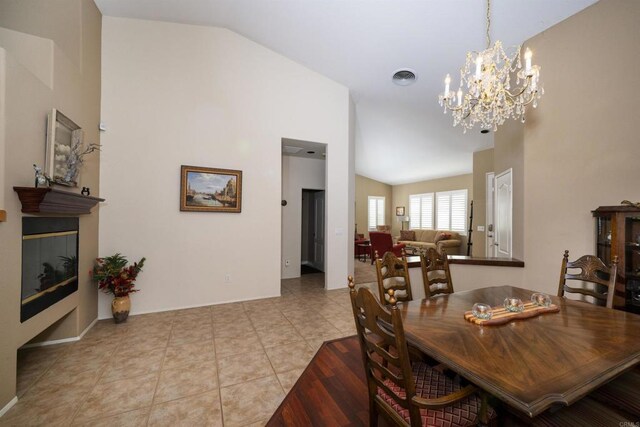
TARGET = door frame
x,y
490,185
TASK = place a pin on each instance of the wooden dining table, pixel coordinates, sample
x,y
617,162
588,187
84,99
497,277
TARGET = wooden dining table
x,y
530,364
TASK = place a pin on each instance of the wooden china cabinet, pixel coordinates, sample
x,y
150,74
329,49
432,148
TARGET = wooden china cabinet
x,y
618,233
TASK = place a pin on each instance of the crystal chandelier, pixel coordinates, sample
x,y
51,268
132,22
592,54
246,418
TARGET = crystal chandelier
x,y
490,98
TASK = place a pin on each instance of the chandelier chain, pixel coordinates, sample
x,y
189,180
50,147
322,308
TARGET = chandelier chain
x,y
488,24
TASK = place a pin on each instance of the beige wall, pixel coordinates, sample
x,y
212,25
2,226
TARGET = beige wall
x,y
168,101
509,154
366,187
580,146
402,192
74,27
482,164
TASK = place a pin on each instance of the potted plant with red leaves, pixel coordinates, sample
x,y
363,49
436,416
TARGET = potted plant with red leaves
x,y
115,276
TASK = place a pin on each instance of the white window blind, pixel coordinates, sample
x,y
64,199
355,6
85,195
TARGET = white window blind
x,y
451,211
421,211
376,212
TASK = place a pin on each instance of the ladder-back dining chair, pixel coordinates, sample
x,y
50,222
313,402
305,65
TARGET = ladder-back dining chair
x,y
393,273
406,393
597,280
436,276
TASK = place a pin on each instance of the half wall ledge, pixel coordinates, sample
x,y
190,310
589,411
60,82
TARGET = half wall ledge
x,y
54,201
414,261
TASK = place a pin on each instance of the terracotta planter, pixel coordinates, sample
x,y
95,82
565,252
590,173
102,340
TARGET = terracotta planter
x,y
120,308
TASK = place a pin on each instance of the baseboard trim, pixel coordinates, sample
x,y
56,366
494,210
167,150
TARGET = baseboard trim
x,y
8,406
63,340
196,306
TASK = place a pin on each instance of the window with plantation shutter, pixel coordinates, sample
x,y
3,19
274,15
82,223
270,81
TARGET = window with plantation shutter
x,y
451,211
376,212
421,211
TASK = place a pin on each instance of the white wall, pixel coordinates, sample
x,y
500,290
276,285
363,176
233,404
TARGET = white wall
x,y
297,173
178,94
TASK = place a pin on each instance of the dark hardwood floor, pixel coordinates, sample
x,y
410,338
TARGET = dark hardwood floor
x,y
330,392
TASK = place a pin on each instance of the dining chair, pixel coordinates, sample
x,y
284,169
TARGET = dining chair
x,y
624,391
406,393
393,273
436,276
592,270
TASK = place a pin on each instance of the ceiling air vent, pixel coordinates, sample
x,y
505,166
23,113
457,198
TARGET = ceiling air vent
x,y
404,77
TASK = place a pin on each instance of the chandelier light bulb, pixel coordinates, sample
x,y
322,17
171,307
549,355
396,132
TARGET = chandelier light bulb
x,y
479,66
447,81
527,58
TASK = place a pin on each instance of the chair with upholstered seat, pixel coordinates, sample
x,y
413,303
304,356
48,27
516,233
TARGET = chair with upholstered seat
x,y
598,280
393,273
382,243
436,276
406,393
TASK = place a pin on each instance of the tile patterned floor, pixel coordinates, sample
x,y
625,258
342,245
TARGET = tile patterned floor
x,y
225,365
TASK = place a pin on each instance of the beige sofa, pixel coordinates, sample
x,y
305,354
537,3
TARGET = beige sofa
x,y
426,239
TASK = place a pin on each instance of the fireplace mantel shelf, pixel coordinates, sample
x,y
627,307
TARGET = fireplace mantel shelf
x,y
54,201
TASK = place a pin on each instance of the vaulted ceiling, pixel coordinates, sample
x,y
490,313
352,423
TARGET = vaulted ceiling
x,y
402,135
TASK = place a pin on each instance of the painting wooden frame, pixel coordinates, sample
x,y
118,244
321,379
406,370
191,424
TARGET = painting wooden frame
x,y
62,134
210,189
399,210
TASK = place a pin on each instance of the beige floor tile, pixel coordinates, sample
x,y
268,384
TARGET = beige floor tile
x,y
132,363
35,414
26,379
145,342
233,330
186,381
183,336
290,356
135,418
200,410
186,354
56,388
260,423
316,329
195,311
118,396
148,328
251,401
58,382
315,343
235,369
242,344
194,321
279,336
288,379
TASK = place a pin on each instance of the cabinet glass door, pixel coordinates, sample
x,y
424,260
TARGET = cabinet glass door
x,y
632,259
603,236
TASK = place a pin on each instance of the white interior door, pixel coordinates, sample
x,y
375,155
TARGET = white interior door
x,y
503,214
490,222
318,230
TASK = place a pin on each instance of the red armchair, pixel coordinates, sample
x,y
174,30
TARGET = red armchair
x,y
381,243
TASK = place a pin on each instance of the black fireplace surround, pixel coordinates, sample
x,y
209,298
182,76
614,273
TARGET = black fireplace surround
x,y
49,262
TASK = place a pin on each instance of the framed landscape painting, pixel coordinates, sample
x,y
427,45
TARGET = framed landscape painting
x,y
210,190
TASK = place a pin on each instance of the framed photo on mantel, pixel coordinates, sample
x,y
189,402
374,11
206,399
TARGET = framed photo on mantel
x,y
63,136
210,190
